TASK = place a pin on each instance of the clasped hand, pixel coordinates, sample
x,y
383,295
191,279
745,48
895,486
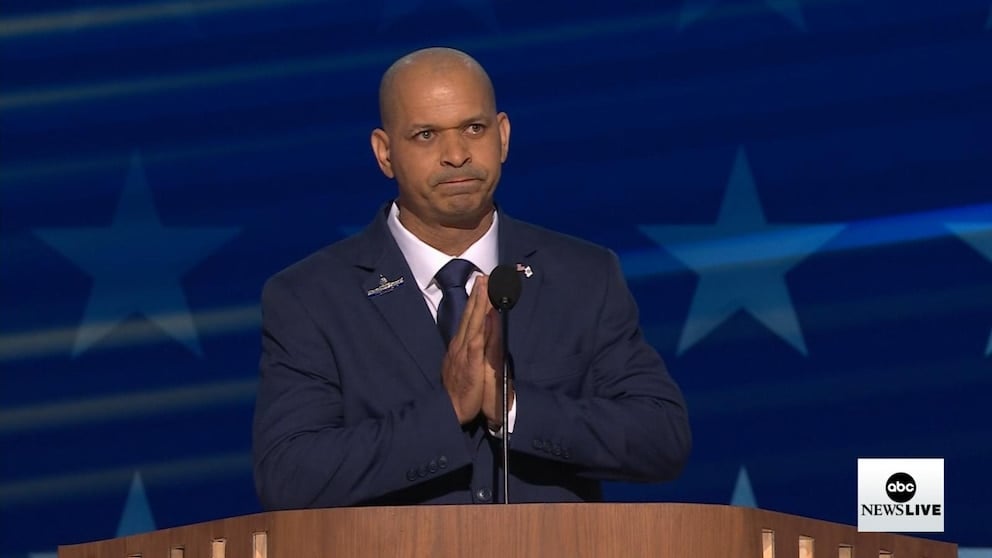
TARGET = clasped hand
x,y
474,361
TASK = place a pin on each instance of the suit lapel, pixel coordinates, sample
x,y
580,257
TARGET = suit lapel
x,y
517,248
402,307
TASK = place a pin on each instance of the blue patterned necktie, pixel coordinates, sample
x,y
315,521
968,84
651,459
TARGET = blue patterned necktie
x,y
452,279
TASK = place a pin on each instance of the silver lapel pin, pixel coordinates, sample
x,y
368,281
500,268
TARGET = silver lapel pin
x,y
385,286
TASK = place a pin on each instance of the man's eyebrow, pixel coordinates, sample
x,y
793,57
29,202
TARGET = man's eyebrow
x,y
414,128
477,118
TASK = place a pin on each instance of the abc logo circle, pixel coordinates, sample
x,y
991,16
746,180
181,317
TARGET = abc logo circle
x,y
900,487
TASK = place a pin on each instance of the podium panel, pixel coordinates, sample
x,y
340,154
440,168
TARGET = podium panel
x,y
573,530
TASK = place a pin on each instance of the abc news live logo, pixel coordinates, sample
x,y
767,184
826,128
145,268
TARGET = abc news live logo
x,y
901,495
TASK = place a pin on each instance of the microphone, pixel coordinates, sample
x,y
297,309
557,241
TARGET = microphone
x,y
504,287
504,291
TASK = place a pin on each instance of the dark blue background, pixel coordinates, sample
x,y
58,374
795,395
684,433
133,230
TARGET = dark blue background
x,y
158,161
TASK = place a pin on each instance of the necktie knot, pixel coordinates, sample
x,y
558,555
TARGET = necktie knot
x,y
454,274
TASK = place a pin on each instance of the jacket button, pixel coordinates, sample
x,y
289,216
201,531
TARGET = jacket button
x,y
484,494
547,446
432,467
411,475
422,472
537,444
442,462
556,450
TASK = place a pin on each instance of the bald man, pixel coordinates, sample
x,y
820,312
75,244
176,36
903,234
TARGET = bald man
x,y
380,352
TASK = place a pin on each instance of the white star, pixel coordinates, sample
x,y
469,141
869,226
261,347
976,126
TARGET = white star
x,y
741,261
136,265
694,10
979,236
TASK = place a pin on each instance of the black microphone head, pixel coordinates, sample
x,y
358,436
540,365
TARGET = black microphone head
x,y
504,287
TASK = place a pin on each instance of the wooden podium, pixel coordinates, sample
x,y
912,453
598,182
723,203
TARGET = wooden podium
x,y
538,530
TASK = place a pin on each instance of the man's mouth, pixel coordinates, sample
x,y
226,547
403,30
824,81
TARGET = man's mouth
x,y
460,180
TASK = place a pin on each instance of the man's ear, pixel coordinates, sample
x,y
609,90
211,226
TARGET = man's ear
x,y
503,124
380,147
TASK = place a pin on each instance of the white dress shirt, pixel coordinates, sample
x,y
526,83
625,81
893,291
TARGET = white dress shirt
x,y
425,261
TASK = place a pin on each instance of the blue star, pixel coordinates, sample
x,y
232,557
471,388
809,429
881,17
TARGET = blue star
x,y
136,265
741,261
694,10
979,237
137,515
743,495
393,10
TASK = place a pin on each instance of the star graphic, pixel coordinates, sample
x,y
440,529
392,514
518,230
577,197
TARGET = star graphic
x,y
743,495
136,265
694,10
137,515
393,10
978,235
741,261
136,518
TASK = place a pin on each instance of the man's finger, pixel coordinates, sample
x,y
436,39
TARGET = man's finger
x,y
462,336
495,331
476,302
476,327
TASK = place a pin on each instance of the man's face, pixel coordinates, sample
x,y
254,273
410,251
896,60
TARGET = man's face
x,y
444,143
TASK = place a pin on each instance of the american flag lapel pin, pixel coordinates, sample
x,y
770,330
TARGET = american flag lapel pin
x,y
525,269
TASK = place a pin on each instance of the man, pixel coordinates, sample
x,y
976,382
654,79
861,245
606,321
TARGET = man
x,y
378,369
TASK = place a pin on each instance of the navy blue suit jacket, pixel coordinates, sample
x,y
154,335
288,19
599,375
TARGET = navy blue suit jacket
x,y
351,409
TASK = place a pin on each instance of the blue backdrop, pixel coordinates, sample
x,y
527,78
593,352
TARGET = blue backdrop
x,y
800,192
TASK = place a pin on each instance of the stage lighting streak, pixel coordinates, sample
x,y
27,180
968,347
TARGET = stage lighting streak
x,y
765,248
78,484
134,332
108,16
126,405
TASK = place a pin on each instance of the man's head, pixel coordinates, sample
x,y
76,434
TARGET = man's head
x,y
441,137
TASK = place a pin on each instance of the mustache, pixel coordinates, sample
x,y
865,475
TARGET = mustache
x,y
461,173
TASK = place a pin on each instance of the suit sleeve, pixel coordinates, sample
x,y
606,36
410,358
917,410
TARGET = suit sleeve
x,y
631,424
304,452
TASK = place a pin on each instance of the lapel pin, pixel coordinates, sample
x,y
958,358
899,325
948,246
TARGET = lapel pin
x,y
385,286
527,271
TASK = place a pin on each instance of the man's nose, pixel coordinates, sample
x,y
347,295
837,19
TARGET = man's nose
x,y
454,149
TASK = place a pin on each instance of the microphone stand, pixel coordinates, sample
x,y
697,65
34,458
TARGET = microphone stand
x,y
504,290
507,373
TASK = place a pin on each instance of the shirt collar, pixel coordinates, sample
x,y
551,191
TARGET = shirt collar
x,y
425,260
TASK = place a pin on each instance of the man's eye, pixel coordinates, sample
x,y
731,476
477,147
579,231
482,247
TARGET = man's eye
x,y
476,129
425,134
